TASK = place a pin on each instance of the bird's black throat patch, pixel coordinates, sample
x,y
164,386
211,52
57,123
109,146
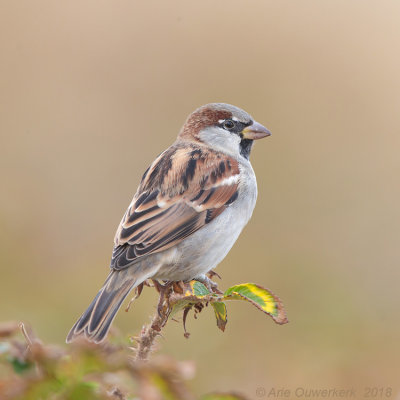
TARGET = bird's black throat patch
x,y
245,147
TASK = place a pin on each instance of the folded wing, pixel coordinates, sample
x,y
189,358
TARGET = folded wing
x,y
184,189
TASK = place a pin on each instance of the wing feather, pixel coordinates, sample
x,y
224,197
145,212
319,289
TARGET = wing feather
x,y
184,189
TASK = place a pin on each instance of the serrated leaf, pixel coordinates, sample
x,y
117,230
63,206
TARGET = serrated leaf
x,y
193,291
260,297
199,290
220,314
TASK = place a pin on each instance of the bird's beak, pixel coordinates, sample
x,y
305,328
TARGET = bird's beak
x,y
255,131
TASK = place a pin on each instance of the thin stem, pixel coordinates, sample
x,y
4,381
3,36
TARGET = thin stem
x,y
148,336
170,294
150,332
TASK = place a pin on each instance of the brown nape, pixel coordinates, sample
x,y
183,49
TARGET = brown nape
x,y
200,119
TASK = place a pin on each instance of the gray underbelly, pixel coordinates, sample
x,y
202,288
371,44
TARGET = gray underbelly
x,y
206,248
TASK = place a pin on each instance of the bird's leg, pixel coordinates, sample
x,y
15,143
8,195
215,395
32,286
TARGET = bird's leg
x,y
208,283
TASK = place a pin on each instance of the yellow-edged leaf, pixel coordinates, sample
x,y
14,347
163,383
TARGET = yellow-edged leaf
x,y
220,314
198,289
260,297
193,291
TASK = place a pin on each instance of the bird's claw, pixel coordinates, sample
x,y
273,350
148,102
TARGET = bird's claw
x,y
209,284
212,273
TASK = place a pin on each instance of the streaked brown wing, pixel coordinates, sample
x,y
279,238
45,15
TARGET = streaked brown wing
x,y
184,189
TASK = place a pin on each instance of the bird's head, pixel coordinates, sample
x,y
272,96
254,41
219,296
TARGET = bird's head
x,y
223,127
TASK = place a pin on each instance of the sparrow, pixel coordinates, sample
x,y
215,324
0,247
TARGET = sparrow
x,y
191,205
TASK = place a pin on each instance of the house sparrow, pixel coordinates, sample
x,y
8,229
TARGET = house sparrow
x,y
191,205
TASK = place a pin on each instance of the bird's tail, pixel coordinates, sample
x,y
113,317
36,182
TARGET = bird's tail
x,y
96,320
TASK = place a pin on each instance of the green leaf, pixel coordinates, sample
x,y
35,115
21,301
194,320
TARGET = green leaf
x,y
220,314
20,366
199,289
260,297
193,291
180,305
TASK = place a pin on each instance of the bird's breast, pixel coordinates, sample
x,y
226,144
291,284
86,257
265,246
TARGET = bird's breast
x,y
208,246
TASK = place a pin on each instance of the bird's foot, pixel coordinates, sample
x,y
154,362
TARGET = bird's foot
x,y
208,283
212,273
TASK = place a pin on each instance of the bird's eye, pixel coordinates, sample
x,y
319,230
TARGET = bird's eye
x,y
228,124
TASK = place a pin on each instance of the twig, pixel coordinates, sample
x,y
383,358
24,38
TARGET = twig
x,y
170,294
151,331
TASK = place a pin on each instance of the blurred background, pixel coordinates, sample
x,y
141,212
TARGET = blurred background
x,y
92,91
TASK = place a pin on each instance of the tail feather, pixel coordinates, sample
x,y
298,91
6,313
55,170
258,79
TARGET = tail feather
x,y
95,322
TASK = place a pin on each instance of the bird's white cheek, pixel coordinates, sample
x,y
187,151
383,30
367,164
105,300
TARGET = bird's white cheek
x,y
220,139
